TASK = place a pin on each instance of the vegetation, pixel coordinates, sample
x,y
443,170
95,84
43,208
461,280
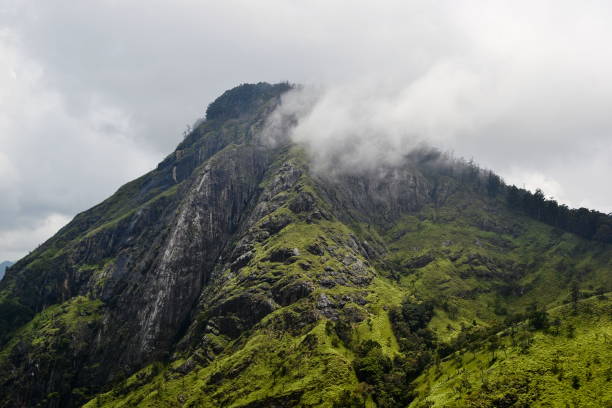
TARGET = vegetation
x,y
564,365
589,224
241,98
57,338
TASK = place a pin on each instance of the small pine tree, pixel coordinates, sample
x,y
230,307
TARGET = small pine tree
x,y
575,295
571,331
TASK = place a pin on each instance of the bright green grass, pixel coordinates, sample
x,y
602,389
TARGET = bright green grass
x,y
558,370
56,323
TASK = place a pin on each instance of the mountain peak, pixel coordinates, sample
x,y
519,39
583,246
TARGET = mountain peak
x,y
243,99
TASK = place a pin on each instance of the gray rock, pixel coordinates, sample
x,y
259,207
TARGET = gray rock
x,y
284,255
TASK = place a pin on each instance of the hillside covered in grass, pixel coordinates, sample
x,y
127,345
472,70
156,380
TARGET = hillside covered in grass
x,y
564,363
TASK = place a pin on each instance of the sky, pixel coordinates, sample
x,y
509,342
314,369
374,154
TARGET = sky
x,y
95,93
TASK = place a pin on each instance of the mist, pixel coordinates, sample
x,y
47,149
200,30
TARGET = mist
x,y
358,126
521,90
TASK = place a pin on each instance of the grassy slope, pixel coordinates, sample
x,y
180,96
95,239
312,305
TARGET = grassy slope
x,y
569,367
62,319
487,261
268,364
56,337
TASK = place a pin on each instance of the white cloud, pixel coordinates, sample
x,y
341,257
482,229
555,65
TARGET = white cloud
x,y
13,241
533,180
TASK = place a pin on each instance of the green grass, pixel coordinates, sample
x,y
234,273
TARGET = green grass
x,y
118,216
61,320
568,368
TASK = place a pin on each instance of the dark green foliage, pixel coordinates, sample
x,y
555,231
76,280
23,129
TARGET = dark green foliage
x,y
240,99
499,309
409,322
589,224
410,317
344,331
371,365
538,318
349,399
396,390
575,382
390,380
12,315
494,184
571,331
513,196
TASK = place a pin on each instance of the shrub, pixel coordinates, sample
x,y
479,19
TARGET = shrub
x,y
349,400
371,364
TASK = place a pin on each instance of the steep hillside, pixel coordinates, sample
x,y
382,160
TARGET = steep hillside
x,y
567,364
234,276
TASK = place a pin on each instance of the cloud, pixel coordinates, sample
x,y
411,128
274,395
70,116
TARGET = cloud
x,y
362,124
14,240
93,93
54,164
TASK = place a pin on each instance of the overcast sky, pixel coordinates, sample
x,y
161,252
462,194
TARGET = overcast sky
x,y
95,93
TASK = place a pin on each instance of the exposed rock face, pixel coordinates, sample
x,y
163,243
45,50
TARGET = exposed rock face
x,y
148,251
205,221
377,196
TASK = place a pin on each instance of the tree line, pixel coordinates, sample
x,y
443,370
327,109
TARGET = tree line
x,y
589,224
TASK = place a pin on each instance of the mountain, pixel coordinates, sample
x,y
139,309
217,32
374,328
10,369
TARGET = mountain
x,y
233,275
3,266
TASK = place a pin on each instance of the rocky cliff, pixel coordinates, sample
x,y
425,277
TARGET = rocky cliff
x,y
233,275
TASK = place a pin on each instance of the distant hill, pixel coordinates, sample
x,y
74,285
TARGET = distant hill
x,y
3,267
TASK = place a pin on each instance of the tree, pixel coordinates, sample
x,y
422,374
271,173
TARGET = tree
x,y
551,212
587,223
604,231
575,295
372,364
513,197
349,400
537,203
538,319
494,184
